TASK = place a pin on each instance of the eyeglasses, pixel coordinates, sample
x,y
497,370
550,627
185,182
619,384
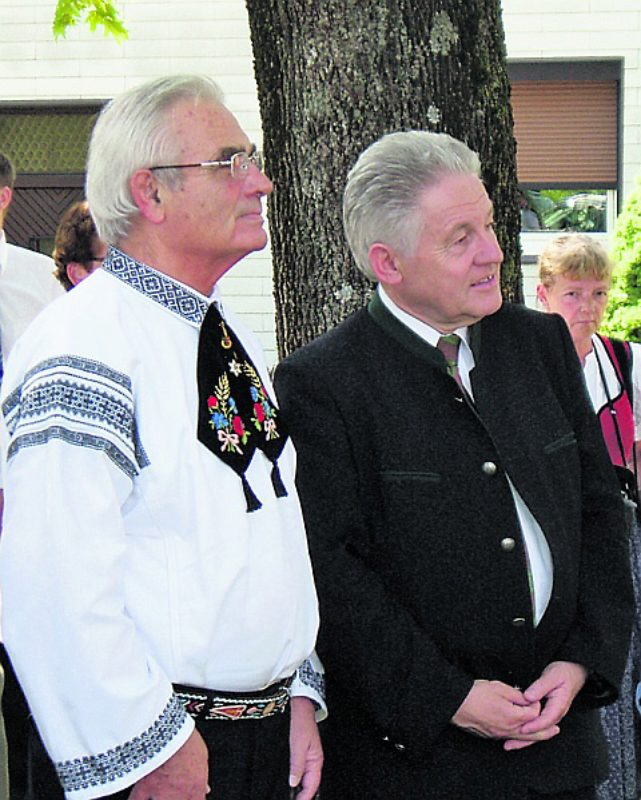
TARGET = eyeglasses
x,y
239,164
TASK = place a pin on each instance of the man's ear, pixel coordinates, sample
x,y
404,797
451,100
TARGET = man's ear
x,y
385,264
147,193
6,195
542,296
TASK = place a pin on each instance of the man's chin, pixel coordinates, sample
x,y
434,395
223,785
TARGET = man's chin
x,y
491,305
256,242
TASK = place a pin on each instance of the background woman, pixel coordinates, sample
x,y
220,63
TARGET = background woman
x,y
575,274
78,250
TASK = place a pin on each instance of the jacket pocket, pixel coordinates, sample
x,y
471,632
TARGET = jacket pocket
x,y
564,441
399,476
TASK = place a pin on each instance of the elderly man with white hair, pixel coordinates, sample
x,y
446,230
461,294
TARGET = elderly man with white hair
x,y
160,609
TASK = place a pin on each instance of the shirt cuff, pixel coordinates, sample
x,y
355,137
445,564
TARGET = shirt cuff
x,y
110,772
309,681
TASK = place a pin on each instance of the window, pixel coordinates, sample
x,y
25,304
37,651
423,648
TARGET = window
x,y
566,124
48,147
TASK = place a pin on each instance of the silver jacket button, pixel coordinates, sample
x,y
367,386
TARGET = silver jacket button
x,y
518,622
508,544
400,747
489,467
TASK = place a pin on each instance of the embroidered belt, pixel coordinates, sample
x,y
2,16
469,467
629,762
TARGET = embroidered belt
x,y
205,704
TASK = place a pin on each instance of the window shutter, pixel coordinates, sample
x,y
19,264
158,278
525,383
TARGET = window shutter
x,y
566,132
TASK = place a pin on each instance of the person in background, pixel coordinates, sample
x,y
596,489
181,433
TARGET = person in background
x,y
27,285
165,642
575,273
466,529
77,249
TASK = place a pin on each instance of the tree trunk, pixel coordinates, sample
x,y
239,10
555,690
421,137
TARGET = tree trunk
x,y
333,76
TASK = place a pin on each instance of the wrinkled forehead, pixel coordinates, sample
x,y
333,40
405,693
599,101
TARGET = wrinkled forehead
x,y
205,128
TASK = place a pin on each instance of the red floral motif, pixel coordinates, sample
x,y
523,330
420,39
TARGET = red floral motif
x,y
225,419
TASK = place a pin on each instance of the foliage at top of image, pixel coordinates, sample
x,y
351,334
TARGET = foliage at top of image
x,y
96,12
623,315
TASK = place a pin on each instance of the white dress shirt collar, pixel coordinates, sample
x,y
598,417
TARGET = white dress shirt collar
x,y
432,335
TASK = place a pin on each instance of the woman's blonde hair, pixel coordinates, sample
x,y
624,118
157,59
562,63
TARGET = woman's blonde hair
x,y
576,255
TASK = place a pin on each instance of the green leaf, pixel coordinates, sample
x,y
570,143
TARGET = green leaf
x,y
96,13
623,314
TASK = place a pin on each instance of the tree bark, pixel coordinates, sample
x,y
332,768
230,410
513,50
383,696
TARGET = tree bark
x,y
335,75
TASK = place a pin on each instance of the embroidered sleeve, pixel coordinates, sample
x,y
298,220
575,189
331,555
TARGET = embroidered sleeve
x,y
102,770
73,457
81,402
309,681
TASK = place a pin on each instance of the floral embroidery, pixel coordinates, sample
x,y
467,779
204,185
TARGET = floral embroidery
x,y
224,415
264,417
236,416
225,418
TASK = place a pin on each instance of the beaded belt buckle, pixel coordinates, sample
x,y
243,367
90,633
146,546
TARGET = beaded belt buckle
x,y
204,705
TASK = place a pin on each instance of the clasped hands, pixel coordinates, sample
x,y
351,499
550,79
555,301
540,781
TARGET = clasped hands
x,y
494,710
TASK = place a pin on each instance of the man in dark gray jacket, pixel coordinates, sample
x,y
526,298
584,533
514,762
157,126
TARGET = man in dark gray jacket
x,y
466,528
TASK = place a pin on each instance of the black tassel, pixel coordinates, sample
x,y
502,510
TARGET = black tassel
x,y
277,482
253,503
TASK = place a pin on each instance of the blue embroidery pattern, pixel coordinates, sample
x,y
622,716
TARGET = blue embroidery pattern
x,y
227,419
156,286
81,402
315,680
104,768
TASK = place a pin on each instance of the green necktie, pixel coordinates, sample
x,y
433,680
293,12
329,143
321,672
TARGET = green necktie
x,y
449,346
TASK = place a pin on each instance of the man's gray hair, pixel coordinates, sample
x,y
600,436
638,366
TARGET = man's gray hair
x,y
134,131
385,186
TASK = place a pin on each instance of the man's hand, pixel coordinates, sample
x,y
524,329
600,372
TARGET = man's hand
x,y
556,689
494,710
306,753
184,776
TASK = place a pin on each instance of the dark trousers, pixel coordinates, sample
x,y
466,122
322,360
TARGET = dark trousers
x,y
580,794
248,760
16,719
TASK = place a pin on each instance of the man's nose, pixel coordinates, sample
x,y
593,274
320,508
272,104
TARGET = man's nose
x,y
258,182
491,252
